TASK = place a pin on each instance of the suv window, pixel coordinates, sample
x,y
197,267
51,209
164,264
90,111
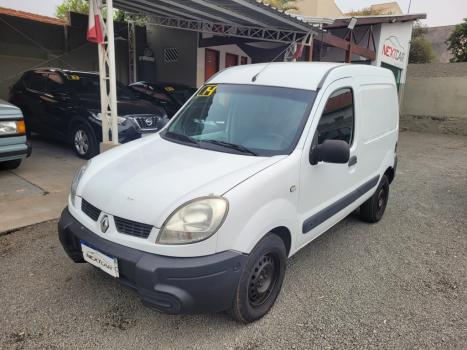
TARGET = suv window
x,y
55,83
36,82
337,121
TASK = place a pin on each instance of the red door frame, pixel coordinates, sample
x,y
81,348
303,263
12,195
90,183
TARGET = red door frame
x,y
210,72
231,56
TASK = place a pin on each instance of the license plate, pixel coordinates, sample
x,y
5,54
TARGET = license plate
x,y
147,134
106,263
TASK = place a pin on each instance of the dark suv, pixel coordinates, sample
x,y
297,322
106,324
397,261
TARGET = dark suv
x,y
166,95
65,104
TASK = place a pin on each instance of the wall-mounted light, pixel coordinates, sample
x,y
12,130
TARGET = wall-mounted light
x,y
352,23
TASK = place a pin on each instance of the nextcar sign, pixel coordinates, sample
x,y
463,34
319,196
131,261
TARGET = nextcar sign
x,y
393,52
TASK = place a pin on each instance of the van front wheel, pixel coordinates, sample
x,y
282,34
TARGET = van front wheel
x,y
261,280
373,209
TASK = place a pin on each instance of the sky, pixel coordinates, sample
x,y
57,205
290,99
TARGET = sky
x,y
439,13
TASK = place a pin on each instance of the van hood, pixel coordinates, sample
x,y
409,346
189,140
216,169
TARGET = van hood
x,y
145,180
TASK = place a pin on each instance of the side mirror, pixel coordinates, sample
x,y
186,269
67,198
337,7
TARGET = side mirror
x,y
330,151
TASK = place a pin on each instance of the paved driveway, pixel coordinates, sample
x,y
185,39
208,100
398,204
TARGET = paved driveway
x,y
399,284
37,191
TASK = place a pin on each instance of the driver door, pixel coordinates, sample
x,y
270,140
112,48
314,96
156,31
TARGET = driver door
x,y
323,186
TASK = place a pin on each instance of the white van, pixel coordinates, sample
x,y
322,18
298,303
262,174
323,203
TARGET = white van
x,y
264,158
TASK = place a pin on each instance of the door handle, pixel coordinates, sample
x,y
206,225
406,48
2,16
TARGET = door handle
x,y
353,160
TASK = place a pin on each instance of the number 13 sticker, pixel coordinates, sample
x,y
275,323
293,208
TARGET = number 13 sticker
x,y
208,90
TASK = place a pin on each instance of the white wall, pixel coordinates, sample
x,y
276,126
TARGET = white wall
x,y
223,50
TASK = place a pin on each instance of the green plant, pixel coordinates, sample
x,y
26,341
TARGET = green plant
x,y
79,6
421,50
367,11
458,42
284,5
82,6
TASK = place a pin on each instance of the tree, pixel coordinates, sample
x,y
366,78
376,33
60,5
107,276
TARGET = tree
x,y
79,6
458,42
421,50
284,5
82,6
367,11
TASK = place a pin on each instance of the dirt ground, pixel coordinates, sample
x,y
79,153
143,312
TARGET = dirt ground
x,y
398,284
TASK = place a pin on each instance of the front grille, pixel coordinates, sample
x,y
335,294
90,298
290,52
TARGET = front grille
x,y
90,210
132,228
146,121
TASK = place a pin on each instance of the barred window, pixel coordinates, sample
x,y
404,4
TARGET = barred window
x,y
170,55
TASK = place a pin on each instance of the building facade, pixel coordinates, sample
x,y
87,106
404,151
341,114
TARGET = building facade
x,y
318,8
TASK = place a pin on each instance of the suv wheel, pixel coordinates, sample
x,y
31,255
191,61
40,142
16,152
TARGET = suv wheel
x,y
83,140
373,209
261,280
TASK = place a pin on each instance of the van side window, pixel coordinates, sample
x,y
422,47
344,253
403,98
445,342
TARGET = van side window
x,y
337,121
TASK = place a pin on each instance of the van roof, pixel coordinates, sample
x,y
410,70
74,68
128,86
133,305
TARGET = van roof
x,y
298,75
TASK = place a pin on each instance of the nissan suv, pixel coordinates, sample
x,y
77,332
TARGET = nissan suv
x,y
65,104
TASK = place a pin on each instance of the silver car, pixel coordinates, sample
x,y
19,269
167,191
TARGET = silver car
x,y
13,142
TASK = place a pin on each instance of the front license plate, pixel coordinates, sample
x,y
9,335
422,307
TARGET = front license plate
x,y
106,263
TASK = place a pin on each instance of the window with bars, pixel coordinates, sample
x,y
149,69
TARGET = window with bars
x,y
171,55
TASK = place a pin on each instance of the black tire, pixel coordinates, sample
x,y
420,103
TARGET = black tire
x,y
261,280
373,209
84,141
10,164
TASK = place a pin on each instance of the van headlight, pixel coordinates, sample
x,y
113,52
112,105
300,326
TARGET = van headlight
x,y
194,221
74,185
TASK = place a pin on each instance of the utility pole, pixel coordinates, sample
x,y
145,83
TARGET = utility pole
x,y
410,5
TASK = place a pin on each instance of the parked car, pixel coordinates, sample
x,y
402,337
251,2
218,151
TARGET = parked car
x,y
169,96
13,144
65,104
265,158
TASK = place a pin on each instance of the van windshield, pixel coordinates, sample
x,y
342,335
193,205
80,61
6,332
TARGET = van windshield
x,y
244,119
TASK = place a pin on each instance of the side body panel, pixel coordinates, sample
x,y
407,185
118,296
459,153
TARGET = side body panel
x,y
261,203
330,192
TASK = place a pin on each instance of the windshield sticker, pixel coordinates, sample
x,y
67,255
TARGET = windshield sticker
x,y
169,89
73,77
208,90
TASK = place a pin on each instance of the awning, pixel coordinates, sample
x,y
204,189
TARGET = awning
x,y
240,18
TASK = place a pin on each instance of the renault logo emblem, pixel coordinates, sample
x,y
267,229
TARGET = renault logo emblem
x,y
104,223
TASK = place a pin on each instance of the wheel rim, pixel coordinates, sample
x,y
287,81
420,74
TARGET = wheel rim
x,y
382,200
263,279
81,142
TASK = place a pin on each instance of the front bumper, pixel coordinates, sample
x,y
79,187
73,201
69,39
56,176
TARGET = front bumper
x,y
169,284
15,151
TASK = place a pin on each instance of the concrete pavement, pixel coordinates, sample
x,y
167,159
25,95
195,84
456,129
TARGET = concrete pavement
x,y
397,284
37,191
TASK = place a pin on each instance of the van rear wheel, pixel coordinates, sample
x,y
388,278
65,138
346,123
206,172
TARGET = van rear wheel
x,y
373,209
261,280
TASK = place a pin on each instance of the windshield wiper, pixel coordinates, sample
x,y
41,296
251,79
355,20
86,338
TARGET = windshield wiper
x,y
234,146
180,137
